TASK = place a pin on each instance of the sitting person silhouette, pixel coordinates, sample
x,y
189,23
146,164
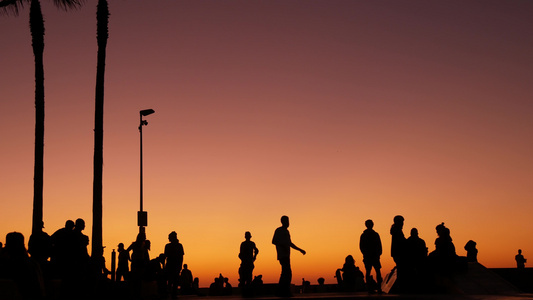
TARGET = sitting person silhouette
x,y
471,251
443,260
217,287
350,276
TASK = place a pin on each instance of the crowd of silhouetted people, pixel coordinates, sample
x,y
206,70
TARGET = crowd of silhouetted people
x,y
167,270
62,256
416,270
59,266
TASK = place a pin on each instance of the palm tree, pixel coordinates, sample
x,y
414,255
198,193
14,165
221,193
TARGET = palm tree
x,y
37,37
102,33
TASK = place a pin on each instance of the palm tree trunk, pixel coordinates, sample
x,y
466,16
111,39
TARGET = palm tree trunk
x,y
102,17
37,35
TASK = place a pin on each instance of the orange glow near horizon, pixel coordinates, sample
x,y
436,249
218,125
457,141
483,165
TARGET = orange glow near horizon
x,y
331,112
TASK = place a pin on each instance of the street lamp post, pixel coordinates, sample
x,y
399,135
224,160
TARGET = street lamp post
x,y
142,216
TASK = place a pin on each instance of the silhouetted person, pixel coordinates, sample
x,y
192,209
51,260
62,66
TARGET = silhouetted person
x,y
15,264
350,275
520,260
196,286
77,272
248,253
398,250
123,267
443,259
156,273
282,240
99,265
217,287
81,241
138,256
471,251
186,281
397,240
257,285
147,271
321,288
416,248
40,248
370,246
443,244
228,289
98,280
174,254
416,254
62,248
306,286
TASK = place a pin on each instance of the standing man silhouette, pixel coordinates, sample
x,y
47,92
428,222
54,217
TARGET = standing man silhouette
x,y
123,268
398,250
174,255
248,253
282,240
520,260
370,246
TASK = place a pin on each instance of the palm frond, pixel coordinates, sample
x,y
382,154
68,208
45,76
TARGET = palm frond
x,y
12,7
69,4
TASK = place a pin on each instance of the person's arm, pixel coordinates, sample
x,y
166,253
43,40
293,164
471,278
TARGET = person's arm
x,y
297,248
256,251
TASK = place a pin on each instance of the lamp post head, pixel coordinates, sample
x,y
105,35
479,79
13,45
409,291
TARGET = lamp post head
x,y
147,112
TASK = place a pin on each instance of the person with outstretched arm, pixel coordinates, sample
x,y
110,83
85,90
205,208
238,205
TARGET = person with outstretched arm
x,y
282,240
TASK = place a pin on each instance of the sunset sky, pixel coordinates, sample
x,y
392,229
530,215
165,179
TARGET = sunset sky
x,y
331,112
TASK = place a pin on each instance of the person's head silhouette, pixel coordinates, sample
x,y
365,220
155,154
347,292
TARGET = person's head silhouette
x,y
369,224
147,244
398,220
349,260
173,236
285,221
442,231
69,224
15,244
80,224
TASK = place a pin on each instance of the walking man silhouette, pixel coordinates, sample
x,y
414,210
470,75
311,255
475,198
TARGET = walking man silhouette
x,y
282,240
